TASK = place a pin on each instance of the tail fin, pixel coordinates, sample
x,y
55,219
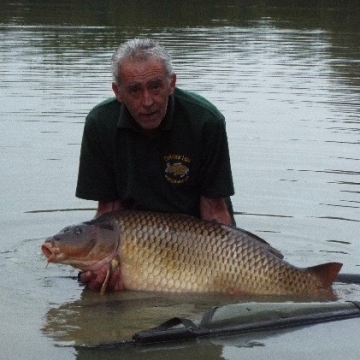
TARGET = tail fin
x,y
326,273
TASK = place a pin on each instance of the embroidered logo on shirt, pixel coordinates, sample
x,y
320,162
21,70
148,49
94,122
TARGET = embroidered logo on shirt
x,y
177,168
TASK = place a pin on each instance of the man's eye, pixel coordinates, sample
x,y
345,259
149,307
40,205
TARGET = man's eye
x,y
158,85
133,90
155,88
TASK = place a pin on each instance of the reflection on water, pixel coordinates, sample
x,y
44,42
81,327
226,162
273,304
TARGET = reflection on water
x,y
103,327
287,78
95,320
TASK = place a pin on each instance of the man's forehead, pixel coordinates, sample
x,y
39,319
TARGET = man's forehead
x,y
140,71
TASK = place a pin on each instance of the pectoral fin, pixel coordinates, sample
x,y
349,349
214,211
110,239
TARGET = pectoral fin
x,y
111,268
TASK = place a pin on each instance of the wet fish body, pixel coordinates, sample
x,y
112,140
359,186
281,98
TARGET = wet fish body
x,y
178,253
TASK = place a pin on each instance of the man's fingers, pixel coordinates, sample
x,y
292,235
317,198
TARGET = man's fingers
x,y
115,282
94,281
85,276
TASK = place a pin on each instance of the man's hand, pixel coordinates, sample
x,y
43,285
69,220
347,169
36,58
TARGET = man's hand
x,y
215,209
95,280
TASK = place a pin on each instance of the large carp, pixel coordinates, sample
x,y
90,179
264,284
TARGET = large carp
x,y
179,253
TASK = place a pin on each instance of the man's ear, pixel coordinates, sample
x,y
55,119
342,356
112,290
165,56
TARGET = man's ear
x,y
116,91
172,83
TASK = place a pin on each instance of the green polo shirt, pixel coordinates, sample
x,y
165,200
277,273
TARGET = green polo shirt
x,y
188,157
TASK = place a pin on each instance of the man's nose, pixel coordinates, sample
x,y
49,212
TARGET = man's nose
x,y
147,99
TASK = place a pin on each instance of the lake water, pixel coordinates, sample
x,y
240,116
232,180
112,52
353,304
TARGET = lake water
x,y
287,77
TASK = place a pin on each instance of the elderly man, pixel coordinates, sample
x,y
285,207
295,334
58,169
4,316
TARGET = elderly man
x,y
154,146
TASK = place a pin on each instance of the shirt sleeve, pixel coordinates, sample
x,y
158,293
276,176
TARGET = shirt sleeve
x,y
216,175
96,180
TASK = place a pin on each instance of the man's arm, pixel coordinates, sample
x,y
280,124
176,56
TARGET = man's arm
x,y
106,206
214,209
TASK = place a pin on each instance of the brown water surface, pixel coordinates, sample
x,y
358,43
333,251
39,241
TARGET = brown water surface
x,y
287,77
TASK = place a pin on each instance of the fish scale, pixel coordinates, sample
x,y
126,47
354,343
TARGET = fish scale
x,y
212,270
178,253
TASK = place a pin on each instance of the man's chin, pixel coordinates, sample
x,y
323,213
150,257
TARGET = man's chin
x,y
149,124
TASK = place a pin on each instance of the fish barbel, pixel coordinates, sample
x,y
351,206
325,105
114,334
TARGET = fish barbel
x,y
179,253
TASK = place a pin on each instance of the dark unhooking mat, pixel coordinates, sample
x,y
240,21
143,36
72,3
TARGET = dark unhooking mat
x,y
237,319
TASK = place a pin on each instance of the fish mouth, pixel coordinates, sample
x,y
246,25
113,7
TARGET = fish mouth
x,y
51,251
59,254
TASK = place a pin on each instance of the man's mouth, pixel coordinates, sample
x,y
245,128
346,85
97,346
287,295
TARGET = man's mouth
x,y
149,120
148,114
151,117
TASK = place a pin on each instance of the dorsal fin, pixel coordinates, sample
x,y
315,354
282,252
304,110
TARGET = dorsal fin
x,y
274,251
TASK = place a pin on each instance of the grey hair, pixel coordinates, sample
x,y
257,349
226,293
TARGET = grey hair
x,y
140,50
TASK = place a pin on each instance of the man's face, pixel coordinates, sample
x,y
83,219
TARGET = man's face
x,y
144,90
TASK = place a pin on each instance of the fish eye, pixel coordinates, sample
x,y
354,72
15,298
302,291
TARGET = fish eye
x,y
78,231
65,230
